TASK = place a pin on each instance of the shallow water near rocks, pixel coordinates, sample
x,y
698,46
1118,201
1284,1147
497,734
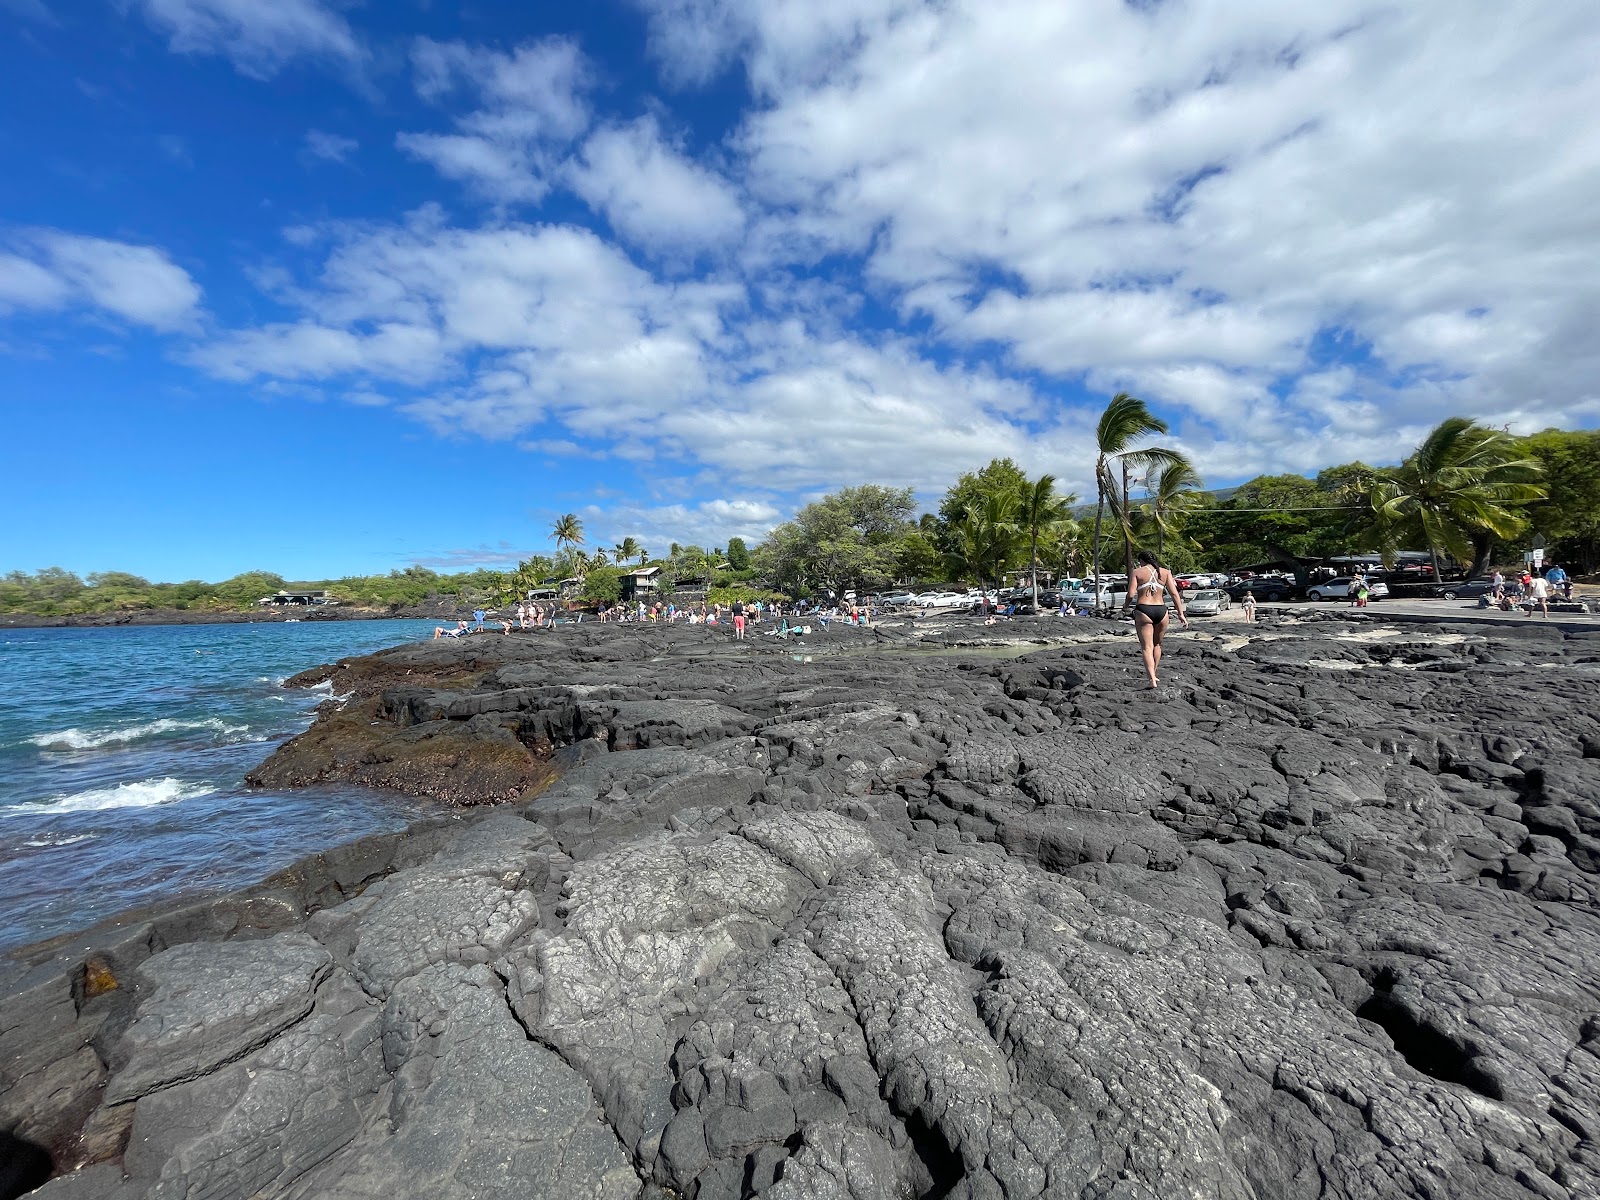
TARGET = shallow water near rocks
x,y
122,759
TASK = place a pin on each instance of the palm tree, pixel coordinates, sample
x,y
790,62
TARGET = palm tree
x,y
1172,496
1040,511
627,548
1456,484
1124,422
600,558
567,531
986,538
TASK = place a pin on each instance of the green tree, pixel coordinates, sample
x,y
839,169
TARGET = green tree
x,y
603,585
628,549
1039,511
738,554
917,558
1122,425
1002,477
567,531
1173,497
846,539
1282,518
986,539
1464,480
1569,515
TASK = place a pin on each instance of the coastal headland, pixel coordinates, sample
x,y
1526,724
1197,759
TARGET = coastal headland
x,y
927,910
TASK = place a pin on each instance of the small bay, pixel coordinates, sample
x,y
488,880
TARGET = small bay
x,y
123,753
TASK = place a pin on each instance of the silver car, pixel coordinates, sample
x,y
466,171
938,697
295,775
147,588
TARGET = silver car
x,y
1207,602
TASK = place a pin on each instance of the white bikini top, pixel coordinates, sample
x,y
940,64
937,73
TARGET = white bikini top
x,y
1153,584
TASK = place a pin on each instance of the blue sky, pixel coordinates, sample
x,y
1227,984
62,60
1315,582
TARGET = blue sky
x,y
325,287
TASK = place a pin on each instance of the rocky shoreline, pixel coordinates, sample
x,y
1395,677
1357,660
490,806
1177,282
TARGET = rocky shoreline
x,y
875,914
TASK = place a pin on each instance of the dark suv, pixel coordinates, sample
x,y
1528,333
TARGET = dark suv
x,y
1267,589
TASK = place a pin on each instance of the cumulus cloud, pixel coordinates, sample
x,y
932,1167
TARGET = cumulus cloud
x,y
1154,191
943,232
652,194
549,334
258,36
50,270
708,523
530,105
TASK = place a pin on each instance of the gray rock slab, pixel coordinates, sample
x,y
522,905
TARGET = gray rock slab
x,y
209,1003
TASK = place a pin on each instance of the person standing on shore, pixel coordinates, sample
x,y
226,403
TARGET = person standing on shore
x,y
1538,593
738,620
1249,603
1149,588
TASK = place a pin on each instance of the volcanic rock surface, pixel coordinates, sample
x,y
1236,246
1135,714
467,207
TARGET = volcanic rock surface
x,y
854,921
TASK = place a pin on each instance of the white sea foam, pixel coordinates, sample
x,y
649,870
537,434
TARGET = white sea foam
x,y
146,793
96,739
40,842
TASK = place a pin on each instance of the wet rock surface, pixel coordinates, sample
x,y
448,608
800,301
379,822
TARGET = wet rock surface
x,y
847,919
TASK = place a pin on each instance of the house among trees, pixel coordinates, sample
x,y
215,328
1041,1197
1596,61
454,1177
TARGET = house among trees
x,y
642,584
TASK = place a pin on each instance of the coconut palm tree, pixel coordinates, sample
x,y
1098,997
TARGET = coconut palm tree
x,y
1125,421
567,531
1456,484
601,557
1039,512
626,549
1172,496
986,538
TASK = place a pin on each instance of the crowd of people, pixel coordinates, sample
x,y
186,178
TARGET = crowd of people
x,y
740,614
1532,591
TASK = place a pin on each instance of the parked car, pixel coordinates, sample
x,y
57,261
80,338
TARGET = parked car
x,y
1339,589
1187,582
897,598
1471,589
941,600
1206,602
1268,589
1084,596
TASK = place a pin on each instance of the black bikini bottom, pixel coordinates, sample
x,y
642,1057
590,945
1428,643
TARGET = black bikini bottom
x,y
1156,612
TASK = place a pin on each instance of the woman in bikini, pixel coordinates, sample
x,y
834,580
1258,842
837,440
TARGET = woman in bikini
x,y
1148,589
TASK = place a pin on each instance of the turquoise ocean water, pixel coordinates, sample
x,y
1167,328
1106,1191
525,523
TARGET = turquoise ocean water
x,y
122,760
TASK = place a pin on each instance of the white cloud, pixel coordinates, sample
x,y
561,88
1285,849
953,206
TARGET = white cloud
x,y
258,36
707,524
550,335
653,195
1163,190
1305,233
531,106
51,270
332,147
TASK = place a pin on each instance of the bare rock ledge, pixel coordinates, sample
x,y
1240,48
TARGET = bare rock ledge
x,y
847,920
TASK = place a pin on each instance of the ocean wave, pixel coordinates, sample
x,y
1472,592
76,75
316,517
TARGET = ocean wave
x,y
48,841
146,793
97,739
